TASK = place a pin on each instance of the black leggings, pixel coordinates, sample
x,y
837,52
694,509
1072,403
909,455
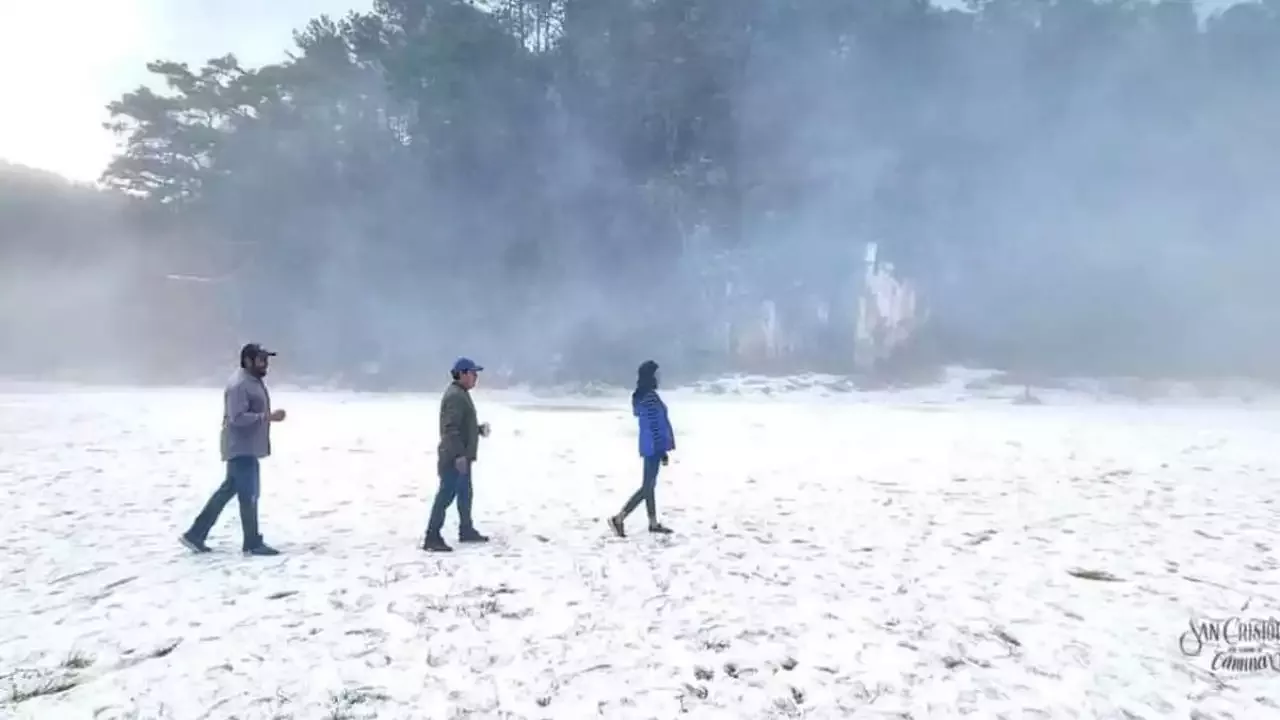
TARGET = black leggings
x,y
646,491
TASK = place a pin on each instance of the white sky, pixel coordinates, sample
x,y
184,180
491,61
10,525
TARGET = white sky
x,y
61,63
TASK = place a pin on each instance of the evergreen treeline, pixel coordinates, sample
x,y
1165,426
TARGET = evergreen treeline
x,y
573,185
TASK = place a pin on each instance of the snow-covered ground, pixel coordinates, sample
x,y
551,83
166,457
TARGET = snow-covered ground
x,y
833,559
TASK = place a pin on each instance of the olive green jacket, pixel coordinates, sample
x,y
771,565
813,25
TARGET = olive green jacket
x,y
459,428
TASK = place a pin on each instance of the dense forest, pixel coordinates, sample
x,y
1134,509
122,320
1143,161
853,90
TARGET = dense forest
x,y
565,187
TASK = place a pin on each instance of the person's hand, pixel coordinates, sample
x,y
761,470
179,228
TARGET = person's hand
x,y
277,415
462,465
666,459
484,429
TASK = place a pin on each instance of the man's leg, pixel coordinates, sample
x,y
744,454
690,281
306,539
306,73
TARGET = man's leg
x,y
195,537
245,471
444,498
466,528
464,504
248,487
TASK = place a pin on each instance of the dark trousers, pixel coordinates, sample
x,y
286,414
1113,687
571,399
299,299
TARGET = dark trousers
x,y
453,485
648,486
242,481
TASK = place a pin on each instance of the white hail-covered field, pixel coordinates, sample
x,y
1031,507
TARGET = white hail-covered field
x,y
869,555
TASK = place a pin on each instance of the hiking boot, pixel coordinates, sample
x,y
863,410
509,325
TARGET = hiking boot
x,y
261,550
473,537
195,546
615,522
435,544
659,528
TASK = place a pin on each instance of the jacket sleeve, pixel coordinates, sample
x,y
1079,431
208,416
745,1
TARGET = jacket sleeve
x,y
237,407
452,443
652,415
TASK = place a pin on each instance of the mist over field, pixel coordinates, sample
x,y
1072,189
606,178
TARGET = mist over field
x,y
562,188
859,238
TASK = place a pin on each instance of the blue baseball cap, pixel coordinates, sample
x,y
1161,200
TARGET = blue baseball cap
x,y
462,365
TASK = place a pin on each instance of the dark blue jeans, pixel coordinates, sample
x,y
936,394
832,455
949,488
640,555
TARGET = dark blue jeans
x,y
243,482
647,491
453,485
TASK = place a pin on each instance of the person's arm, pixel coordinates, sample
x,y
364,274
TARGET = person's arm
x,y
452,444
237,407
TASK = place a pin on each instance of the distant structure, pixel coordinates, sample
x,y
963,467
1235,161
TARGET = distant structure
x,y
888,313
761,340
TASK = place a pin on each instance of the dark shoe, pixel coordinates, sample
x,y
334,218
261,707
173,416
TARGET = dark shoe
x,y
262,550
473,537
194,546
435,545
615,522
659,529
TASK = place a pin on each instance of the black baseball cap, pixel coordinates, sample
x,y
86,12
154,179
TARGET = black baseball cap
x,y
254,350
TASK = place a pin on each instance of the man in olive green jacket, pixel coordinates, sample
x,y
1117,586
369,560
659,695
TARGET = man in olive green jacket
x,y
460,434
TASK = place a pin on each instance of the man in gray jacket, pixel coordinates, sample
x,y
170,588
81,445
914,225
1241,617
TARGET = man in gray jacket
x,y
246,439
460,434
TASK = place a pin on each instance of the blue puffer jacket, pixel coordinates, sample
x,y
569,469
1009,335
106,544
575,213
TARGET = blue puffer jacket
x,y
656,435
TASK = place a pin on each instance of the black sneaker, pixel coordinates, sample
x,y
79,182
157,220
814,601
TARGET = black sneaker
x,y
194,546
659,529
615,522
473,537
435,544
262,550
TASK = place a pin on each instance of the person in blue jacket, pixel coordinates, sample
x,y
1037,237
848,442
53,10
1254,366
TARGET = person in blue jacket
x,y
657,439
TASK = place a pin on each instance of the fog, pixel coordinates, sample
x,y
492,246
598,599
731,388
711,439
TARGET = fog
x,y
563,189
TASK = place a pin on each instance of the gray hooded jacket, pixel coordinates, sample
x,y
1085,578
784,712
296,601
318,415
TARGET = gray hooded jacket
x,y
246,421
